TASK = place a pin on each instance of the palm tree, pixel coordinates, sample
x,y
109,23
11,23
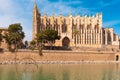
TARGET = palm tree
x,y
76,33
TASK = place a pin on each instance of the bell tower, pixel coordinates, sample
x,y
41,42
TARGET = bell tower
x,y
36,21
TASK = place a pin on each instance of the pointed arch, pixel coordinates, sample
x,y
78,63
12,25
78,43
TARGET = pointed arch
x,y
64,28
66,42
117,57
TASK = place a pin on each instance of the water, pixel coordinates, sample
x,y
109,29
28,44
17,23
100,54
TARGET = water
x,y
60,72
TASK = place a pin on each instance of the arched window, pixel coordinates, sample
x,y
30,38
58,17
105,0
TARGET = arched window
x,y
64,28
88,26
81,26
97,28
117,57
109,37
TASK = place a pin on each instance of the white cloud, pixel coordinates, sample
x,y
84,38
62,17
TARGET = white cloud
x,y
108,3
12,11
70,2
61,7
8,19
111,23
20,11
5,5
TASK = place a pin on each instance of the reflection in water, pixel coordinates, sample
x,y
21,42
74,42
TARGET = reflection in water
x,y
66,75
26,76
60,72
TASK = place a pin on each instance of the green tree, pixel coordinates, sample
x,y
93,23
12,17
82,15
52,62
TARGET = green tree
x,y
14,36
1,37
46,36
52,35
7,39
26,44
41,38
32,44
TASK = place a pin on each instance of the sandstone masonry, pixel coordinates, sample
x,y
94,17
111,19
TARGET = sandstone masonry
x,y
90,31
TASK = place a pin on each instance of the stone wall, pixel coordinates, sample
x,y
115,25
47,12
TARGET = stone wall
x,y
58,56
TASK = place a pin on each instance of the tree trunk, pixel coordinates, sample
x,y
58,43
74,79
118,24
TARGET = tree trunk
x,y
40,49
51,47
9,47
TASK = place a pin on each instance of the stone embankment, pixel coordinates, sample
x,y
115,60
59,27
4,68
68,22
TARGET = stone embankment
x,y
57,57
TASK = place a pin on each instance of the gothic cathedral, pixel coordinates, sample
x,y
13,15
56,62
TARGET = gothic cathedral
x,y
85,31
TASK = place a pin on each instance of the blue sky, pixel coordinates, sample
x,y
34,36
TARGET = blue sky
x,y
20,11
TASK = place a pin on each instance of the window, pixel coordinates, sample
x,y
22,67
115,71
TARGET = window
x,y
64,28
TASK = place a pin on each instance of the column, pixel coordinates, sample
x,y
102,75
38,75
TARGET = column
x,y
98,39
111,37
96,36
101,37
93,30
76,39
119,43
80,36
91,37
83,36
105,37
78,23
60,28
86,37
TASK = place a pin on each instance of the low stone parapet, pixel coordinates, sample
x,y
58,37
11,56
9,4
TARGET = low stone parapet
x,y
57,56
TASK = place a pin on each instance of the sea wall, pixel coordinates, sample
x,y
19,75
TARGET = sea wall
x,y
57,56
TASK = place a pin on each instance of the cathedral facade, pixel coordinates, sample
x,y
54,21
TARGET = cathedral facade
x,y
84,31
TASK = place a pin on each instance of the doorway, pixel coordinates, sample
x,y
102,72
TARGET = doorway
x,y
65,42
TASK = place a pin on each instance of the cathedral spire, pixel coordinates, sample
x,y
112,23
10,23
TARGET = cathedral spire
x,y
36,20
35,6
35,9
